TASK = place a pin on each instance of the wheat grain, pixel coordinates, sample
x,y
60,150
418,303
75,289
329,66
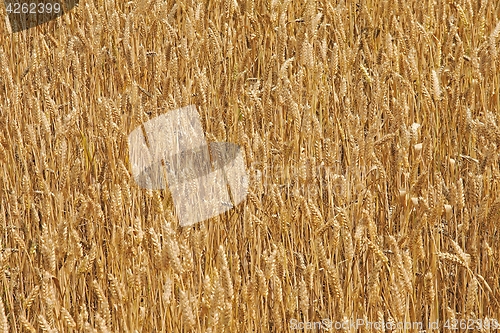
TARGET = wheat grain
x,y
187,310
471,296
26,324
68,318
4,324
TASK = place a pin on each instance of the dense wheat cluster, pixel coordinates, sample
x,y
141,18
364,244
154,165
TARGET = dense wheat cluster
x,y
371,137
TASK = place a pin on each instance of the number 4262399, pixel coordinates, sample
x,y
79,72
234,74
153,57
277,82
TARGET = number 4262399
x,y
33,8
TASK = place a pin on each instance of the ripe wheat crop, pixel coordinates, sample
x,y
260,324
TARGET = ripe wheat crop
x,y
370,132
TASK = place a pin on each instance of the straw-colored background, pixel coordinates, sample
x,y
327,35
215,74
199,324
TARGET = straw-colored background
x,y
371,136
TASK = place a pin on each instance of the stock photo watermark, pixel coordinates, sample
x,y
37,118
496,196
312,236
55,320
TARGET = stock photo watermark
x,y
26,14
205,179
328,324
350,324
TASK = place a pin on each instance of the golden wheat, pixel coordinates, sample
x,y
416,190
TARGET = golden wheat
x,y
369,132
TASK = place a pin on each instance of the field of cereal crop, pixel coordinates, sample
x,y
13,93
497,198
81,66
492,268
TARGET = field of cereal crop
x,y
371,137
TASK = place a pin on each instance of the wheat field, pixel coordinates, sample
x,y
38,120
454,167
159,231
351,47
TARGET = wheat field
x,y
371,139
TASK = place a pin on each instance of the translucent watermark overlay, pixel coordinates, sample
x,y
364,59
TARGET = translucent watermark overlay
x,y
331,325
414,326
205,180
26,14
